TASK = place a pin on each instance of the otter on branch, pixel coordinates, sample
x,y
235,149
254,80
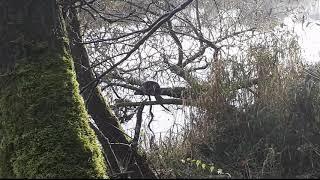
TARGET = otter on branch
x,y
151,88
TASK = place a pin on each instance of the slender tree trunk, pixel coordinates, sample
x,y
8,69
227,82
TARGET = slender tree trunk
x,y
100,110
44,129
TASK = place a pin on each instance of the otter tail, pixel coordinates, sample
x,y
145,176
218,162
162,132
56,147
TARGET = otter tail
x,y
160,100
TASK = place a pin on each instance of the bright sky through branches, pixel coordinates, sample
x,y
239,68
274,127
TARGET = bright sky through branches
x,y
309,40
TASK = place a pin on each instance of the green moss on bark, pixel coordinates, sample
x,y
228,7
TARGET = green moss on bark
x,y
44,123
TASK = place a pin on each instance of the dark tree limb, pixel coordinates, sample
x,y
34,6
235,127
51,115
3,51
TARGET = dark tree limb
x,y
98,108
137,129
178,43
164,101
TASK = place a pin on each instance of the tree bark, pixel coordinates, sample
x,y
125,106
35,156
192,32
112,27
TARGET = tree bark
x,y
44,127
100,111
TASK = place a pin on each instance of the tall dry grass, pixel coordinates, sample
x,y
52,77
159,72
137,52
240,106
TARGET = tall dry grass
x,y
267,130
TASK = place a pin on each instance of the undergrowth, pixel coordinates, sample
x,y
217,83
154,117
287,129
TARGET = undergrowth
x,y
268,129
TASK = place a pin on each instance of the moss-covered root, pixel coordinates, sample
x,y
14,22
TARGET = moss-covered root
x,y
43,120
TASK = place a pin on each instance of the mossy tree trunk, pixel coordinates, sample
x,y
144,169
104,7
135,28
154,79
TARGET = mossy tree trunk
x,y
44,127
100,111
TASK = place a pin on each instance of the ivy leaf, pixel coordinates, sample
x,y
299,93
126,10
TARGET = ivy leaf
x,y
211,169
203,166
198,163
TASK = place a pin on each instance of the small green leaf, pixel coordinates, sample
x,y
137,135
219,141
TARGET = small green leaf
x,y
203,166
211,169
198,163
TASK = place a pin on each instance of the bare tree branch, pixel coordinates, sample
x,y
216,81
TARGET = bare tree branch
x,y
162,20
165,101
